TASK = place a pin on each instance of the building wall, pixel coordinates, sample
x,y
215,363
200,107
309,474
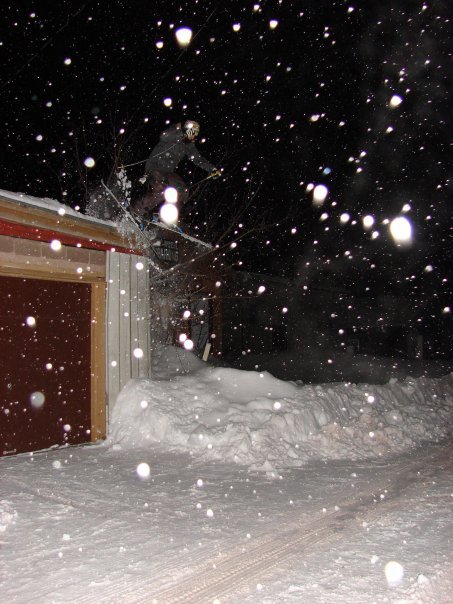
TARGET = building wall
x,y
38,259
128,321
100,258
31,260
120,322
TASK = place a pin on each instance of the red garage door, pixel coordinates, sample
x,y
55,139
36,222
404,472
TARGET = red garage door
x,y
44,364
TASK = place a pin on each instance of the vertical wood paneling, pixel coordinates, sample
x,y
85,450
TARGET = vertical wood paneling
x,y
112,336
127,320
143,321
140,316
135,293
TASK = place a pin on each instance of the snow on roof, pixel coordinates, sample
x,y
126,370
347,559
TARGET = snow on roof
x,y
51,205
64,210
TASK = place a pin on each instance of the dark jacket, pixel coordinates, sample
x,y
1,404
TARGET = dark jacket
x,y
171,149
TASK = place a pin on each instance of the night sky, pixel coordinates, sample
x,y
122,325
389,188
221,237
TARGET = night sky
x,y
352,95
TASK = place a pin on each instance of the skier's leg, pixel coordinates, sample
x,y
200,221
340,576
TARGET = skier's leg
x,y
153,197
175,181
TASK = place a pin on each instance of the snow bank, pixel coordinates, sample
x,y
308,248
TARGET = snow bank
x,y
255,419
8,514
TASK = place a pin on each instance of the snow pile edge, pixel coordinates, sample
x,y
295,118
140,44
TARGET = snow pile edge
x,y
255,419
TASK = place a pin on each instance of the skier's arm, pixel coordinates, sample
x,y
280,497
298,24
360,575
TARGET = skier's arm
x,y
195,156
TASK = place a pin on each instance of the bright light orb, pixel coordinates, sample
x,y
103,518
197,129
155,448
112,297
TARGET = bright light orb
x,y
183,36
367,222
168,102
30,321
89,162
345,217
169,213
55,245
188,344
182,338
143,470
401,229
37,399
171,195
273,23
394,573
395,101
138,353
320,193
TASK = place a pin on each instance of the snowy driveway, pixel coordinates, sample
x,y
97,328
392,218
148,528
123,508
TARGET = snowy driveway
x,y
79,525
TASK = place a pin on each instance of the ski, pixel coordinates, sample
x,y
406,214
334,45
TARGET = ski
x,y
125,211
142,225
158,223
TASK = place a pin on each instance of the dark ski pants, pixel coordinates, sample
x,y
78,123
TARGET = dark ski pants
x,y
158,182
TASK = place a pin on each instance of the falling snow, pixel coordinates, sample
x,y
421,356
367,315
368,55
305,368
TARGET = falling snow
x,y
330,123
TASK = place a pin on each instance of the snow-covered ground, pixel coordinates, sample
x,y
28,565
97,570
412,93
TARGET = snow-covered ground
x,y
224,485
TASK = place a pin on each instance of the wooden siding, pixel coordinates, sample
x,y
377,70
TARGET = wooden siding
x,y
127,321
20,219
36,259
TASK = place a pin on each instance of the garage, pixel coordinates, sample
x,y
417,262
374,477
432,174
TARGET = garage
x,y
45,360
74,307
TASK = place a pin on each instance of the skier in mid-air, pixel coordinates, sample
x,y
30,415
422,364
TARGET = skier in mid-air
x,y
175,143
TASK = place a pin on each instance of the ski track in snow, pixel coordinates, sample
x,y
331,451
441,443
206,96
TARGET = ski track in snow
x,y
239,568
192,578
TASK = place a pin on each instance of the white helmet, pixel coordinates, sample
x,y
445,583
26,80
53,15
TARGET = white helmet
x,y
191,128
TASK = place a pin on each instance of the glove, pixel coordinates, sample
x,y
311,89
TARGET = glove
x,y
215,173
